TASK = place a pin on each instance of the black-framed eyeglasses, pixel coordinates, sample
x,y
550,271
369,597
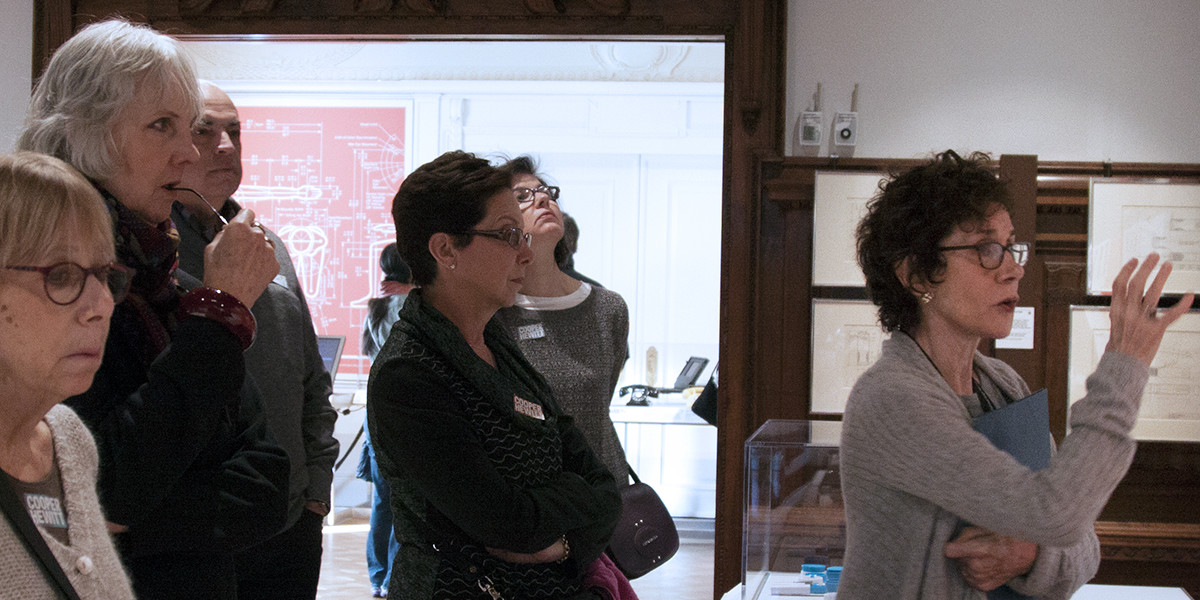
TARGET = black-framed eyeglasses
x,y
64,281
526,195
991,254
513,236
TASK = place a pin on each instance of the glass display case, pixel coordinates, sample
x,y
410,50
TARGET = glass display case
x,y
793,517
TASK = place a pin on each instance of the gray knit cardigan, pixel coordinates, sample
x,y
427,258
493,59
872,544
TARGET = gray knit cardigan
x,y
91,561
913,468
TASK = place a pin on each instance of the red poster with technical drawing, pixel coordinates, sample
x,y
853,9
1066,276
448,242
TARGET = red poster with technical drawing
x,y
323,178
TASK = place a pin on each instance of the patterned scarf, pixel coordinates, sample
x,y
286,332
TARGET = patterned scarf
x,y
425,323
153,294
522,451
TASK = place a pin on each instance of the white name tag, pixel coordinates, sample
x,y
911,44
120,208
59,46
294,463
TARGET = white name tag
x,y
528,408
531,332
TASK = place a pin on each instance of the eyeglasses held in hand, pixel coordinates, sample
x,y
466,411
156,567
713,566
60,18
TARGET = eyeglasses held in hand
x,y
513,236
991,254
224,221
526,195
64,282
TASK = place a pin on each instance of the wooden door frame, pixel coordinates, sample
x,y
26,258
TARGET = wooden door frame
x,y
754,32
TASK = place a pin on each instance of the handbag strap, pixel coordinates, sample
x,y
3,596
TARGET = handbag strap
x,y
631,473
21,521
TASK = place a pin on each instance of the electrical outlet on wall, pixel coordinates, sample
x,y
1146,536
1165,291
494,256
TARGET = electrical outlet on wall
x,y
845,128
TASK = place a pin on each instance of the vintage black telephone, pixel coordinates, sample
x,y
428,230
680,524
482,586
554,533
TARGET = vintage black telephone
x,y
640,394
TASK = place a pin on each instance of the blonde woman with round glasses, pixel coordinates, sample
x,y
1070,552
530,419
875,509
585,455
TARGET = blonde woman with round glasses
x,y
58,285
933,509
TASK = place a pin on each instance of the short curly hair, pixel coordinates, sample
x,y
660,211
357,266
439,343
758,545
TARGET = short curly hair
x,y
908,219
446,195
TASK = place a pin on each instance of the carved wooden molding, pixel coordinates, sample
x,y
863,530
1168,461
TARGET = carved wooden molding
x,y
386,6
198,7
192,7
1064,283
609,7
545,7
373,6
257,6
604,7
1149,542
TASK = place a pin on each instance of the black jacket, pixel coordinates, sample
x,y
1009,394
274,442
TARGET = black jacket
x,y
186,461
468,472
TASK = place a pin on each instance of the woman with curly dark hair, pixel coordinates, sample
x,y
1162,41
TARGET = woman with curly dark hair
x,y
942,263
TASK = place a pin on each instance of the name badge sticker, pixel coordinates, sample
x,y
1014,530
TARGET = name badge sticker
x,y
532,331
528,408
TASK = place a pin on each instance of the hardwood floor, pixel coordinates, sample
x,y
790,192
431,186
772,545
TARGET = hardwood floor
x,y
687,576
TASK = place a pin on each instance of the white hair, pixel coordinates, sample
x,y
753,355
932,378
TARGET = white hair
x,y
89,82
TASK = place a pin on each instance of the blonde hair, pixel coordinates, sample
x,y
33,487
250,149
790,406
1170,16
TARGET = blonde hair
x,y
90,81
42,199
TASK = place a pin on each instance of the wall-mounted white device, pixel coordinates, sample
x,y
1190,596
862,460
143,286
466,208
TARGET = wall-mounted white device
x,y
810,128
845,128
845,124
811,121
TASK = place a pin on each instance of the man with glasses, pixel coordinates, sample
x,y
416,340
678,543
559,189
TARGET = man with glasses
x,y
284,363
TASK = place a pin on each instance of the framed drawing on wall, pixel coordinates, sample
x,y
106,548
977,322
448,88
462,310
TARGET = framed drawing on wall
x,y
839,204
1129,218
1169,410
847,339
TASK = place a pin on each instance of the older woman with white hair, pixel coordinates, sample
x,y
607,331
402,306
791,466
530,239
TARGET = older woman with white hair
x,y
58,284
187,471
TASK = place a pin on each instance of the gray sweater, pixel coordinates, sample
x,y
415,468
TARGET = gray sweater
x,y
91,561
580,351
913,468
286,367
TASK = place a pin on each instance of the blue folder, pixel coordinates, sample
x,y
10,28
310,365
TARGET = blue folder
x,y
1021,429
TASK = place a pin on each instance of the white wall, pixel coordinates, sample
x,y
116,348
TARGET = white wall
x,y
1087,80
16,44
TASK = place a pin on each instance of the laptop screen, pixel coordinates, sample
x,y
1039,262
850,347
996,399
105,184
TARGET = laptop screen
x,y
330,347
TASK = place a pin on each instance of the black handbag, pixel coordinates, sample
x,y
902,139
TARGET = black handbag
x,y
645,536
15,511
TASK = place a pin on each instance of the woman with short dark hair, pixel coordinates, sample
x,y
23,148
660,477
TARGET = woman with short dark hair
x,y
494,490
942,262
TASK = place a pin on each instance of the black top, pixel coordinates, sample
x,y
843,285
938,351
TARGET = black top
x,y
468,471
186,461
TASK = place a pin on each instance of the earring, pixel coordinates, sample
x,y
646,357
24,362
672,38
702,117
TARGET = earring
x,y
452,265
926,298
